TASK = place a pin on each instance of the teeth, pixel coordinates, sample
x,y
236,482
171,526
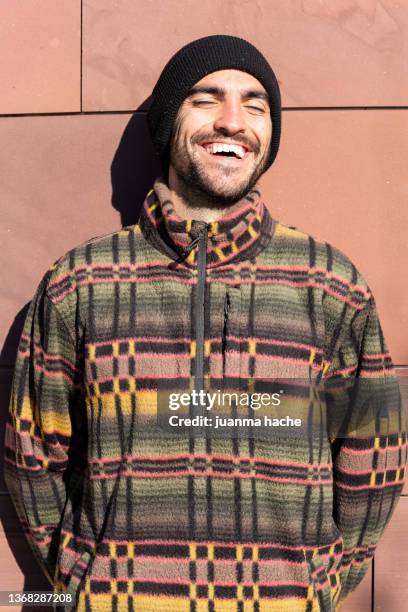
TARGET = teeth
x,y
218,147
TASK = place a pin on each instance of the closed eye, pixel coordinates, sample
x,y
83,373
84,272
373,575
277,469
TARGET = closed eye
x,y
203,102
256,108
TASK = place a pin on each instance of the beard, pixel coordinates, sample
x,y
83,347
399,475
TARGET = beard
x,y
228,186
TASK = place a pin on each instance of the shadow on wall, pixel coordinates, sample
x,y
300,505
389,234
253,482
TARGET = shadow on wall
x,y
133,170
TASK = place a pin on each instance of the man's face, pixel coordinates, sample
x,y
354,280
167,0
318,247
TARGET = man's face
x,y
226,109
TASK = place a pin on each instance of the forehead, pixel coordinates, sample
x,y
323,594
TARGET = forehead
x,y
231,80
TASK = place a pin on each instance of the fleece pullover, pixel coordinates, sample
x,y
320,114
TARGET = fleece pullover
x,y
123,515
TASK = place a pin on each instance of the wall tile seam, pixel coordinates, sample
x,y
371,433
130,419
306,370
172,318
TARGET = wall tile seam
x,y
143,112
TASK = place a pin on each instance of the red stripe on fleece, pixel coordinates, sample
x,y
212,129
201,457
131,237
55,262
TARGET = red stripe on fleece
x,y
185,560
215,357
28,468
53,374
261,358
103,379
364,472
244,266
98,281
375,355
176,474
212,457
368,451
311,270
192,281
143,339
368,486
288,343
217,543
183,582
27,434
48,356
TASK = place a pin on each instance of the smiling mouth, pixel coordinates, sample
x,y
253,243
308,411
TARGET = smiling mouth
x,y
226,151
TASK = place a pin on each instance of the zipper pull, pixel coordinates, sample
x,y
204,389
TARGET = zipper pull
x,y
191,246
186,252
201,235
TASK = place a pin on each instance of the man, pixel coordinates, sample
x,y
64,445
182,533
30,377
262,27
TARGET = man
x,y
125,515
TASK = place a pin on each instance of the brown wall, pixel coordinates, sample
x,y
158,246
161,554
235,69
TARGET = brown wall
x,y
76,162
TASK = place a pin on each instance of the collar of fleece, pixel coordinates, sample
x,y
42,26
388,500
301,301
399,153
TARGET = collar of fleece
x,y
237,236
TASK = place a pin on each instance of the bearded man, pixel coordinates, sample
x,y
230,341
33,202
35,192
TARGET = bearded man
x,y
207,286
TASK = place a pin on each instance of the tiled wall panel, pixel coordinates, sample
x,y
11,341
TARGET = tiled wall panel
x,y
391,564
343,53
40,56
361,599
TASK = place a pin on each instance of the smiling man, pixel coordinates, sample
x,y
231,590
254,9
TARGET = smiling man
x,y
207,289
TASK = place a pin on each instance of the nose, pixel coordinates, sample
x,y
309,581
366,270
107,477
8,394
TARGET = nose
x,y
230,119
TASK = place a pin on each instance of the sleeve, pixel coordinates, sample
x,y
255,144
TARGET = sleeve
x,y
369,445
38,430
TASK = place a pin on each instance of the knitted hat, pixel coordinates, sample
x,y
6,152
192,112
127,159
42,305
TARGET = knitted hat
x,y
193,62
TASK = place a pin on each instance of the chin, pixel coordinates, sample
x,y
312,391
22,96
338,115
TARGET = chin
x,y
226,195
229,190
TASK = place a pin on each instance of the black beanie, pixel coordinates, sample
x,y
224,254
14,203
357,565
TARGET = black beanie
x,y
193,62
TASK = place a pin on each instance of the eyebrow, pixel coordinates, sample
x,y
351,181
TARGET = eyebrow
x,y
220,91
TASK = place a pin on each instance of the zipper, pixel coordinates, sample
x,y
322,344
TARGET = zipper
x,y
200,241
227,306
200,306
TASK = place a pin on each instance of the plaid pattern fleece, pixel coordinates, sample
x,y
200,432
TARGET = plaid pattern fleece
x,y
127,518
